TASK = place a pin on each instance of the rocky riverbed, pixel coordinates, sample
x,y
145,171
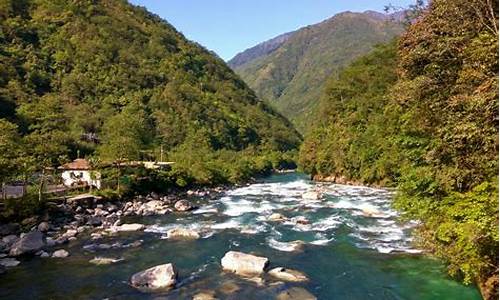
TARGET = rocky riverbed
x,y
283,238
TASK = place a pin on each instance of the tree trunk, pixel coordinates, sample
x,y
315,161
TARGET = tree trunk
x,y
40,187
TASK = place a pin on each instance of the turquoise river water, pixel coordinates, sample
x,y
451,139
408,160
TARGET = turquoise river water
x,y
348,253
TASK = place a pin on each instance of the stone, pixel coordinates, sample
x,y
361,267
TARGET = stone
x,y
183,205
9,240
9,262
50,242
94,221
372,212
44,254
43,227
9,229
60,253
276,217
183,233
70,233
129,227
104,260
295,293
312,195
243,264
302,220
205,295
162,277
28,243
228,288
29,221
288,275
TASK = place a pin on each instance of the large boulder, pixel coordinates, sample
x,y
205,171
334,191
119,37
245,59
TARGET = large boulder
x,y
29,243
244,264
183,205
295,293
162,277
288,275
183,233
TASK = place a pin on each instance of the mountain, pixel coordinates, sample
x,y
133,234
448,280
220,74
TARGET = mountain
x,y
110,80
292,75
261,49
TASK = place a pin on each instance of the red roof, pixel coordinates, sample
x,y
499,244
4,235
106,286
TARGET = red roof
x,y
77,164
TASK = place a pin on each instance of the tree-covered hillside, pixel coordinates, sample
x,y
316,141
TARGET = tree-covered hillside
x,y
292,76
423,115
106,79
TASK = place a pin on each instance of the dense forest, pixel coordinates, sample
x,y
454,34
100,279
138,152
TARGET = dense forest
x,y
291,76
112,82
421,114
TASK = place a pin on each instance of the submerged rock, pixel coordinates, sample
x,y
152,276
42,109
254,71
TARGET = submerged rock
x,y
29,243
9,262
372,212
183,205
205,295
162,277
295,293
228,288
60,253
104,260
243,264
288,275
183,233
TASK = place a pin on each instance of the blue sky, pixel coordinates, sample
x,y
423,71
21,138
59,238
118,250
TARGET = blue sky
x,y
230,26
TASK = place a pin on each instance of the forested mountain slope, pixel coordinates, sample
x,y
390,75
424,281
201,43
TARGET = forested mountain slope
x,y
110,80
292,76
422,115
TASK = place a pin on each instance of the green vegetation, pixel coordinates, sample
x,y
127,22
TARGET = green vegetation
x,y
112,82
422,115
291,76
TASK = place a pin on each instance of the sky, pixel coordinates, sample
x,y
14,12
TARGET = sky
x,y
231,26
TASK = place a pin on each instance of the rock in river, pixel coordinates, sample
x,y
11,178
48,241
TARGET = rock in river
x,y
9,262
129,227
287,274
243,264
312,195
162,277
277,217
29,243
182,233
104,260
183,205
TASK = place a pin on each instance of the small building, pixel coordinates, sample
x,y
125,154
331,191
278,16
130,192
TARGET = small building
x,y
80,173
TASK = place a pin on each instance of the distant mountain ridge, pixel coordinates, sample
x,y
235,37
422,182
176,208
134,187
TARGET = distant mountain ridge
x,y
290,70
261,49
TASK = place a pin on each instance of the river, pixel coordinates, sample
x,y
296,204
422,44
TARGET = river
x,y
353,248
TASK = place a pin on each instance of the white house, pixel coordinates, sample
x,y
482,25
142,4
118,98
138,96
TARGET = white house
x,y
79,172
